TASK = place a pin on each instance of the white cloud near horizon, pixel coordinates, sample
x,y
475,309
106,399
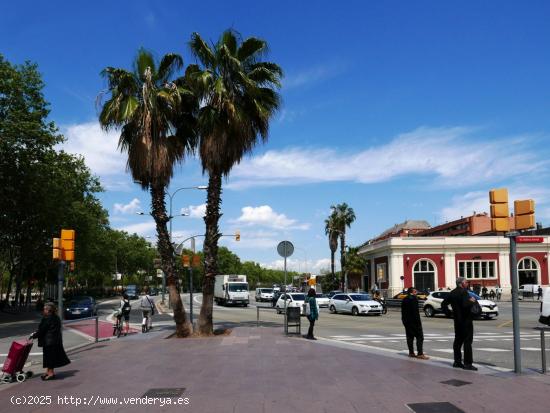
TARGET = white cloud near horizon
x,y
195,211
265,216
452,154
312,74
143,229
132,207
296,264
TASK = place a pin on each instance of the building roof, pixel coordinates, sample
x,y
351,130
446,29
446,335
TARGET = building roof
x,y
408,224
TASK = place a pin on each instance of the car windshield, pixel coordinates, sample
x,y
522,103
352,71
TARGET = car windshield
x,y
477,297
360,297
266,290
298,297
238,287
80,302
321,295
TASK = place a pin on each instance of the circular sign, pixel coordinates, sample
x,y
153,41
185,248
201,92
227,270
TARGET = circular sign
x,y
402,278
285,249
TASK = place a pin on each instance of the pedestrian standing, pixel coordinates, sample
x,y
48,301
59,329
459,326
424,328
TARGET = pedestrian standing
x,y
461,303
499,292
313,315
410,316
147,311
50,339
484,292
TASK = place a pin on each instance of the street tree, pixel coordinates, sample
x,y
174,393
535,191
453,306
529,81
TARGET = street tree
x,y
344,216
332,233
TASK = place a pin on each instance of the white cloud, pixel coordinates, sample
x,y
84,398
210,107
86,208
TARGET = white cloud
x,y
100,152
478,201
142,228
129,208
299,265
454,155
250,239
195,211
312,75
265,216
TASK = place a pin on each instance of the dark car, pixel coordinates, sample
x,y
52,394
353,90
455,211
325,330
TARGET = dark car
x,y
80,307
132,291
153,291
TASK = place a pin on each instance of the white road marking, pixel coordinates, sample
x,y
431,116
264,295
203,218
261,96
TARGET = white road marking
x,y
533,349
344,336
364,335
444,350
442,340
491,349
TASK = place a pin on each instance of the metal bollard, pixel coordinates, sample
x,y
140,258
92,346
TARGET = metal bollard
x,y
543,351
96,329
257,316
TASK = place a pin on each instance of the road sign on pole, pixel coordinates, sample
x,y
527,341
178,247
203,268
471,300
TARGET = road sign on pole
x,y
285,250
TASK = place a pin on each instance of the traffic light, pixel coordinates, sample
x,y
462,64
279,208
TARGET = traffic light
x,y
57,254
237,236
185,260
196,262
499,210
67,244
524,214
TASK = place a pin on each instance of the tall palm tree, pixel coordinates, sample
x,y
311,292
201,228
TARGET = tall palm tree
x,y
344,217
330,227
144,104
238,97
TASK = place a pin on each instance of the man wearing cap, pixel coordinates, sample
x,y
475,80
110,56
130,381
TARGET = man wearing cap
x,y
461,303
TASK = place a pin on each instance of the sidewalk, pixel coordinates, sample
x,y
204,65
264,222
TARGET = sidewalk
x,y
261,370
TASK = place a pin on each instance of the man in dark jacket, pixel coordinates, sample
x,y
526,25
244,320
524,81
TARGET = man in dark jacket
x,y
461,304
413,326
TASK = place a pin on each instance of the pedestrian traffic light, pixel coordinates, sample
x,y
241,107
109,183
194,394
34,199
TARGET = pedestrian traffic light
x,y
237,236
185,260
57,254
499,210
196,262
524,214
67,244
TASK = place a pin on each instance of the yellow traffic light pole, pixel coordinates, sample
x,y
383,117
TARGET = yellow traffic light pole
x,y
524,218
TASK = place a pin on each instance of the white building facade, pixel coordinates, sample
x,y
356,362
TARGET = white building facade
x,y
435,262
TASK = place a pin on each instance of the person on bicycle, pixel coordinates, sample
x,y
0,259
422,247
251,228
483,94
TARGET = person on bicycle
x,y
147,310
124,311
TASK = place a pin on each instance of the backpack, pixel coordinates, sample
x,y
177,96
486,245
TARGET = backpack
x,y
126,307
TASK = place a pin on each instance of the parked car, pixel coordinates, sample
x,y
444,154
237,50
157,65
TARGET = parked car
x,y
292,300
333,293
80,307
322,300
432,306
264,294
153,291
421,295
355,304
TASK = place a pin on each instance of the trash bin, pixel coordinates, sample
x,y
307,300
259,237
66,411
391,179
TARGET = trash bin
x,y
293,320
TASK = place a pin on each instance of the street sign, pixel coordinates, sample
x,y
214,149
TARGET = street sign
x,y
285,249
529,240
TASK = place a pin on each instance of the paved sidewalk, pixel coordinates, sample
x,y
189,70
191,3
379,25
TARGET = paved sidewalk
x,y
261,370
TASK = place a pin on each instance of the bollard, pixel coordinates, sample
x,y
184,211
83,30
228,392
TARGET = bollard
x,y
543,351
257,316
96,329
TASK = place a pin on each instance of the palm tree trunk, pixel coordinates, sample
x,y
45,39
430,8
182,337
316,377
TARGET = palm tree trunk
x,y
342,259
166,250
332,253
211,219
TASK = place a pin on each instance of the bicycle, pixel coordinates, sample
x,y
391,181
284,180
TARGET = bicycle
x,y
145,322
117,327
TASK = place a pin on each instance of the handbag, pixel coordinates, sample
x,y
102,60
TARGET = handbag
x,y
308,309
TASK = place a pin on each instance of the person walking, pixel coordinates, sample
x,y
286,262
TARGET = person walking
x,y
461,303
147,310
313,315
499,292
124,311
484,292
539,293
410,316
50,339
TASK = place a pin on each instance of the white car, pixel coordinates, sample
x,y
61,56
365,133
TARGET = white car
x,y
264,294
432,305
292,300
322,300
355,304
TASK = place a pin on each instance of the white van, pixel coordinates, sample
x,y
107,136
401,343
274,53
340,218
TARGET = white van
x,y
528,290
545,307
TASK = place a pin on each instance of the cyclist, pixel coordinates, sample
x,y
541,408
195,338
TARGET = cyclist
x,y
147,309
124,311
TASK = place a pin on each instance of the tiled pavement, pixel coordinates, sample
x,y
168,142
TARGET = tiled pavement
x,y
261,370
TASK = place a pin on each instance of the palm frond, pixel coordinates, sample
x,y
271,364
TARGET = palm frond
x,y
229,40
202,51
144,60
252,48
169,64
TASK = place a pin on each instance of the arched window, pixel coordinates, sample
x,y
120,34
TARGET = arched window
x,y
424,275
528,271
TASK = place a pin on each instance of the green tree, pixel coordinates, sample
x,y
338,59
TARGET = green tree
x,y
148,106
355,266
331,231
238,95
344,216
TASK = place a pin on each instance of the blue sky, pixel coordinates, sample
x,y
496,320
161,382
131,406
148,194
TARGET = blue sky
x,y
404,110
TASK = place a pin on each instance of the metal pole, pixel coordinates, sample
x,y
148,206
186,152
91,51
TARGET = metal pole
x,y
285,300
257,316
543,351
60,282
191,282
163,274
515,304
96,329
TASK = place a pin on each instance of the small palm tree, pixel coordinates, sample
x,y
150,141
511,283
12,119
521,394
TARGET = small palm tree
x,y
144,104
355,266
331,231
238,97
344,216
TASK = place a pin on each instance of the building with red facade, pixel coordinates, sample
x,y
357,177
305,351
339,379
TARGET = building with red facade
x,y
435,262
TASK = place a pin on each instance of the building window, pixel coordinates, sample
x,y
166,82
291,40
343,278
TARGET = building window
x,y
424,275
528,271
477,270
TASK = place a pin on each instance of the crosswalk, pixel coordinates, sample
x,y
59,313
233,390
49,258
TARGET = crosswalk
x,y
379,340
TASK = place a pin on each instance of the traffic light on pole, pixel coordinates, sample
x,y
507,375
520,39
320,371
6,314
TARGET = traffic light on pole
x,y
196,262
185,260
67,244
499,210
237,236
57,255
524,214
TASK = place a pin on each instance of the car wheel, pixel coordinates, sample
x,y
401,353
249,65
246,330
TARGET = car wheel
x,y
332,309
429,311
354,311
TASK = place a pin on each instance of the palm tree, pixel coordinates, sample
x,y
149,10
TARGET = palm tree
x,y
344,216
143,104
355,266
238,97
330,226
